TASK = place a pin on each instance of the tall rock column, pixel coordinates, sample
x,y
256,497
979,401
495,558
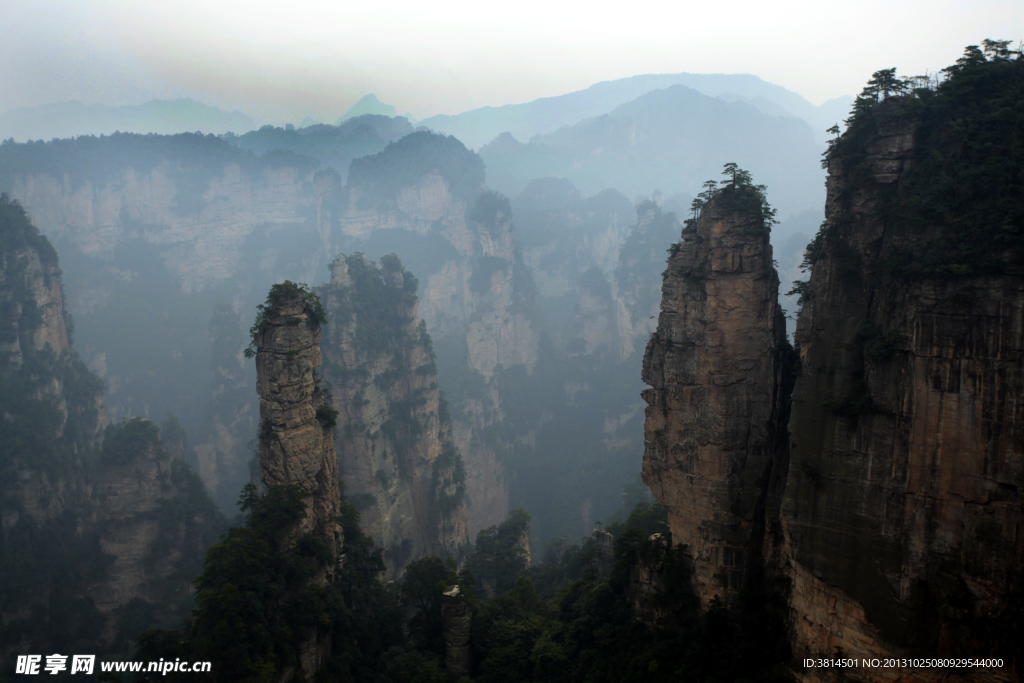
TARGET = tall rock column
x,y
712,368
296,441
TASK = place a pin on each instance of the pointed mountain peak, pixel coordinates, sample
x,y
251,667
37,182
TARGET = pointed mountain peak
x,y
368,104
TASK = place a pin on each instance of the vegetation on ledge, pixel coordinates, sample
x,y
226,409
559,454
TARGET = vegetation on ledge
x,y
278,294
959,209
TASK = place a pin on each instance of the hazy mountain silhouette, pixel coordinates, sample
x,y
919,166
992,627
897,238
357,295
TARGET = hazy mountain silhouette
x,y
334,146
166,117
478,126
368,104
672,139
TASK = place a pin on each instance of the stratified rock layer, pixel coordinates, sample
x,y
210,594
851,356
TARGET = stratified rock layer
x,y
712,368
394,438
296,447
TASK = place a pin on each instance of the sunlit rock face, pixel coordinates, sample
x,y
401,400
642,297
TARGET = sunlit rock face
x,y
900,527
393,435
296,444
712,368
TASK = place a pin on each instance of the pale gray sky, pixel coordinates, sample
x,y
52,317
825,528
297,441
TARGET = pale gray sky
x,y
285,60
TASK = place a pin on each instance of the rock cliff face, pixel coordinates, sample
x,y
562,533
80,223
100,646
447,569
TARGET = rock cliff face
x,y
892,509
394,436
155,523
35,365
201,230
475,293
296,438
712,368
471,292
596,323
563,236
101,531
901,523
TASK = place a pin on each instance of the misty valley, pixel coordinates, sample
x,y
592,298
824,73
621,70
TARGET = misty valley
x,y
661,380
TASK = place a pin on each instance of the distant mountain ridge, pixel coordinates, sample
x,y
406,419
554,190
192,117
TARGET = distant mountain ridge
x,y
165,117
333,146
673,139
547,114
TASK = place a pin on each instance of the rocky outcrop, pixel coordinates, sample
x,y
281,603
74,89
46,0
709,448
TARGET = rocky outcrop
x,y
475,293
891,510
35,366
900,528
712,368
101,531
155,523
394,436
458,622
645,581
296,438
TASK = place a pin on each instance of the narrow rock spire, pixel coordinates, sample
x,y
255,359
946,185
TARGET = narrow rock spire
x,y
711,365
296,419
